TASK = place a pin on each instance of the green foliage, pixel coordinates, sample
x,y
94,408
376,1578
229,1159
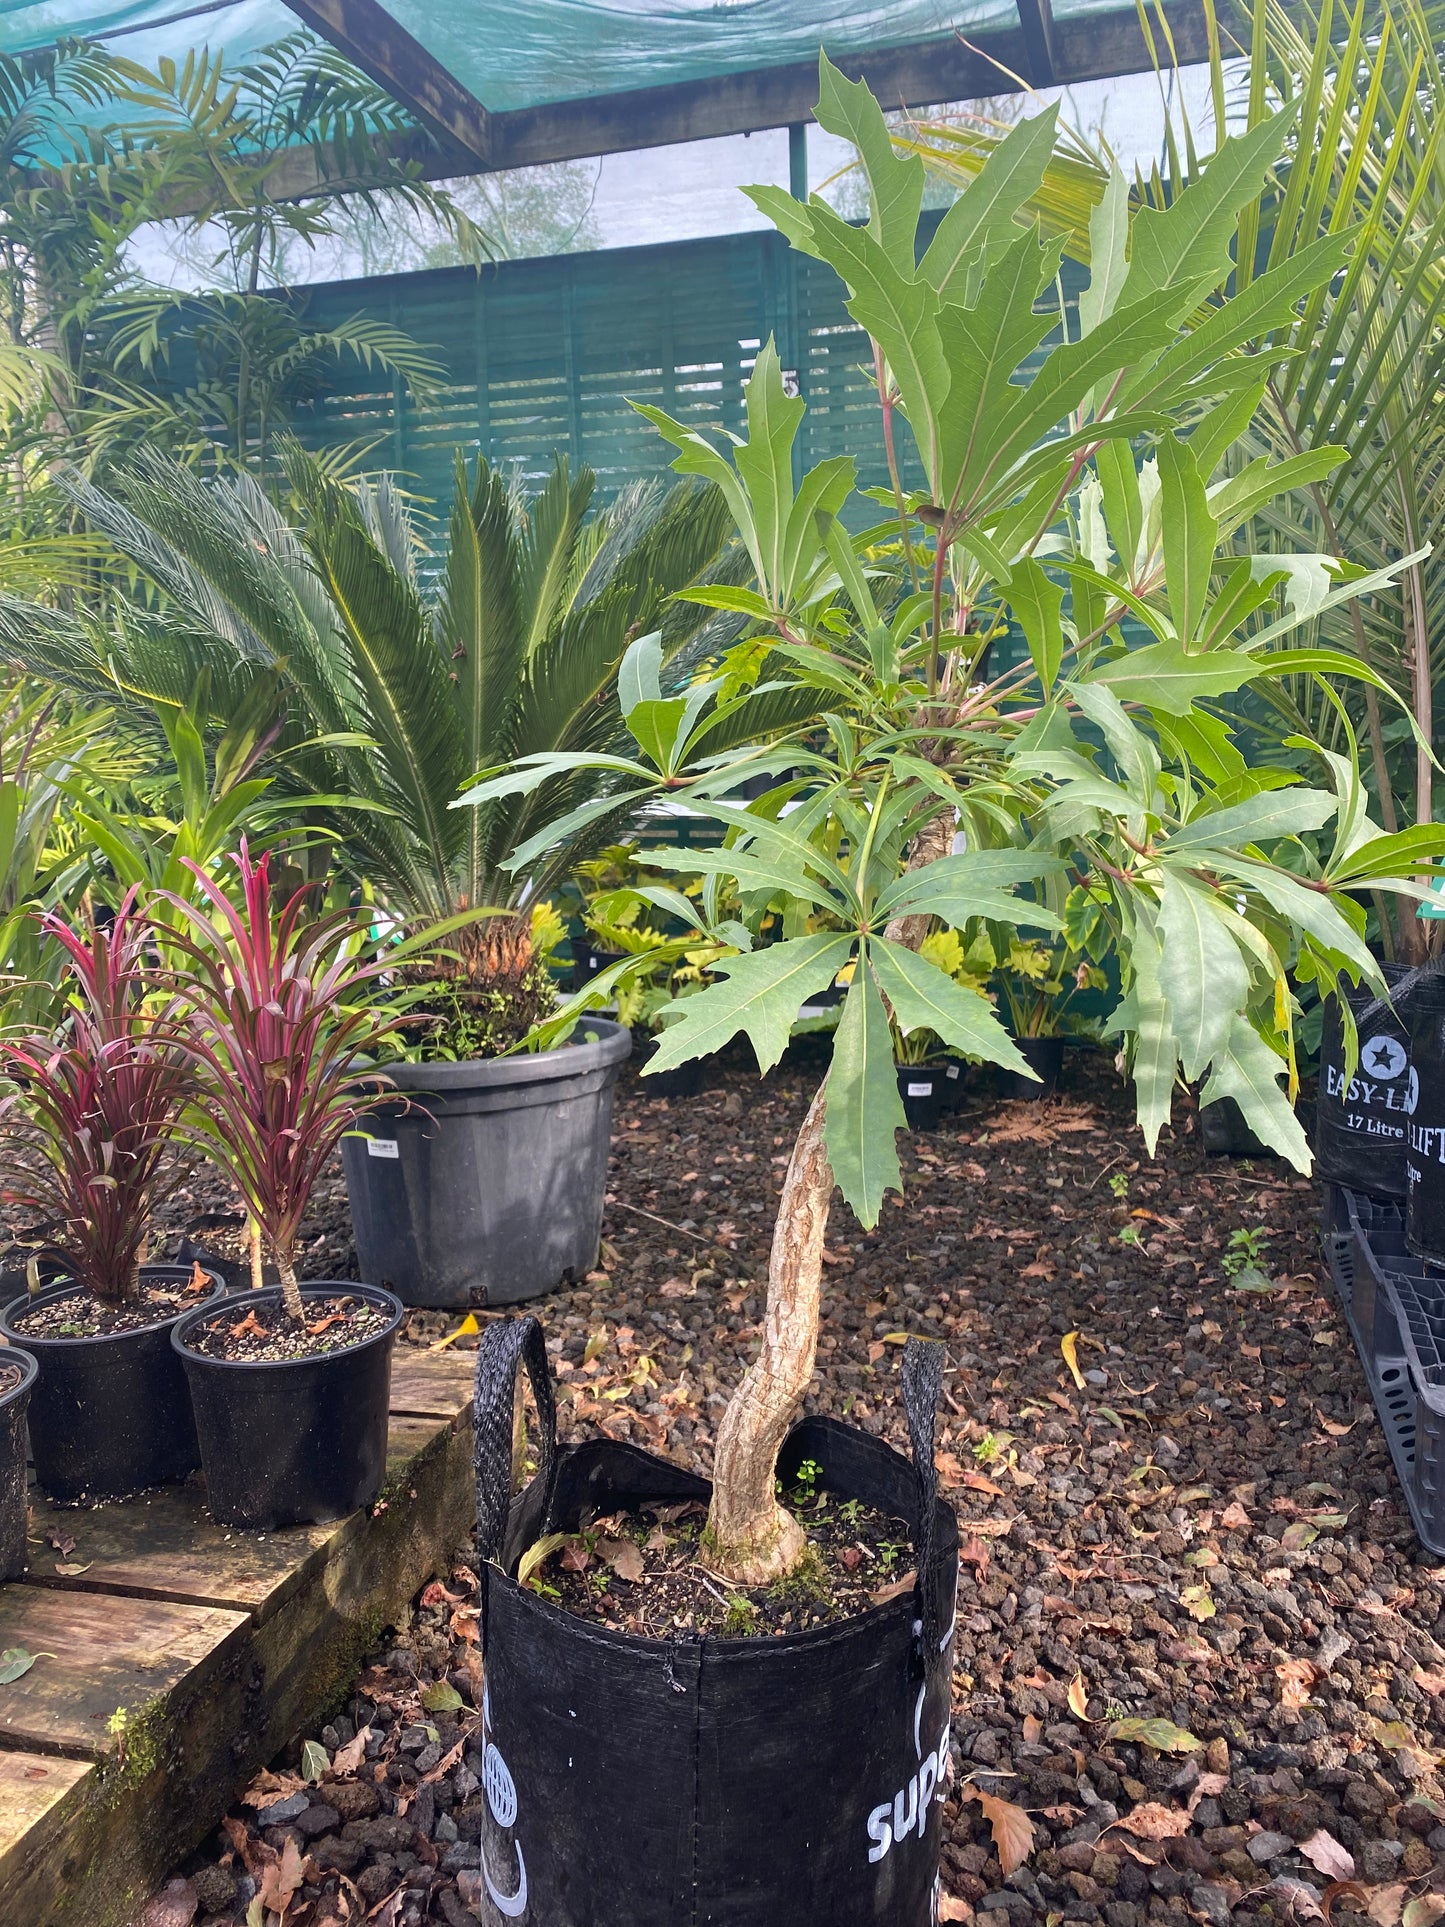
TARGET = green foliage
x,y
381,686
931,792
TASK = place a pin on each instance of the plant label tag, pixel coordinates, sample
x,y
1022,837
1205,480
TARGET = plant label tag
x,y
920,1090
952,1072
382,1147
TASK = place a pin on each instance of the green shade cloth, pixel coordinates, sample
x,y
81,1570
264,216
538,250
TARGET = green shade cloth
x,y
530,53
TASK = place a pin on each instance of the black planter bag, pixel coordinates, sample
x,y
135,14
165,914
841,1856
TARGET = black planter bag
x,y
1362,1123
1425,1162
791,1782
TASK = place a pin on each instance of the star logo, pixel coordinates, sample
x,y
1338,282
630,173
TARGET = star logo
x,y
1383,1057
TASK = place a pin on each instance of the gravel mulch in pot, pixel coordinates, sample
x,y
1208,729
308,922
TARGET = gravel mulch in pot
x,y
1184,1513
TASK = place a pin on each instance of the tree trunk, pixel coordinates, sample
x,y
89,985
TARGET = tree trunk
x,y
750,1539
290,1289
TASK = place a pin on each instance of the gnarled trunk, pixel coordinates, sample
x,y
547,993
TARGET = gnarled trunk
x,y
290,1288
750,1538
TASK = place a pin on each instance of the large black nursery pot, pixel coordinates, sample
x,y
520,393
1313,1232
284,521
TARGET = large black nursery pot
x,y
1425,1109
684,1080
489,1188
109,1415
292,1441
1362,1122
1045,1058
924,1089
13,1400
770,1782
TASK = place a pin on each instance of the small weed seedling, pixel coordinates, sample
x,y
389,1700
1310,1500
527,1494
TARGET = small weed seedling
x,y
1243,1261
1119,1185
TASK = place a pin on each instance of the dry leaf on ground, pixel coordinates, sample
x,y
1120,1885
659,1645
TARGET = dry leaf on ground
x,y
1208,1786
1013,1831
1153,1821
1322,1850
1069,1346
952,1908
625,1558
1078,1697
348,1758
1386,1904
1423,1911
1296,1677
1352,1890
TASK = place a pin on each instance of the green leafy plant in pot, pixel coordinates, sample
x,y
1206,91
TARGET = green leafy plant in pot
x,y
91,1140
290,1383
397,684
1214,880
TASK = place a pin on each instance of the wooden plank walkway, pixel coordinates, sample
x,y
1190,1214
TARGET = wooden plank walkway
x,y
186,1655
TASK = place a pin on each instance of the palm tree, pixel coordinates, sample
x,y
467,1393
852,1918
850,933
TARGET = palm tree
x,y
402,674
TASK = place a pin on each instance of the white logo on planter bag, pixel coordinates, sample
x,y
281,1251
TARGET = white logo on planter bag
x,y
890,1824
1383,1057
1412,1092
501,1792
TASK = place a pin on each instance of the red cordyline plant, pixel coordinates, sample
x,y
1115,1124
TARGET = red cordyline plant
x,y
280,1008
97,1107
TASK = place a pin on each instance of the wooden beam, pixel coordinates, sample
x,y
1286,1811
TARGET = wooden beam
x,y
376,41
1036,18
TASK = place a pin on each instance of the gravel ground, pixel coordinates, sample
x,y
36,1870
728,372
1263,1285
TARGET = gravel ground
x,y
1197,1476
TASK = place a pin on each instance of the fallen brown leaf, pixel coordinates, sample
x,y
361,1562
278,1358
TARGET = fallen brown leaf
x,y
1323,1851
1208,1786
1350,1890
1153,1821
1386,1904
1078,1697
1296,1677
1012,1829
625,1558
895,1591
950,1907
346,1759
1234,1518
976,1482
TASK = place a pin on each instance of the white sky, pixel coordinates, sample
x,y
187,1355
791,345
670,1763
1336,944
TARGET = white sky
x,y
682,192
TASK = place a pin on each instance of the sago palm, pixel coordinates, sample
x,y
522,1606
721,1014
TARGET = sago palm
x,y
402,674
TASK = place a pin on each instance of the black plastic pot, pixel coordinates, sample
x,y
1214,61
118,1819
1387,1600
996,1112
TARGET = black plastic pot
x,y
109,1415
923,1088
1045,1057
589,962
685,1081
12,1462
1361,1123
293,1441
1425,1107
1225,1133
954,1069
772,1782
489,1190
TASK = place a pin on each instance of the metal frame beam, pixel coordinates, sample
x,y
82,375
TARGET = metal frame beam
x,y
1000,60
376,42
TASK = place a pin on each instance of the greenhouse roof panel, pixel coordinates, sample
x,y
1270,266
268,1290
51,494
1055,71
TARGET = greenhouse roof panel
x,y
511,82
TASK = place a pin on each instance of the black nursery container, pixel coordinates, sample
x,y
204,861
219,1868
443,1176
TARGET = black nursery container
x,y
924,1090
488,1187
13,1402
685,1080
1045,1058
295,1441
787,1782
109,1415
1362,1122
1425,1106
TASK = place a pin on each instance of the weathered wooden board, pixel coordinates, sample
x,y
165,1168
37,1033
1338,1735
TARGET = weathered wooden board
x,y
211,1692
425,1382
162,1545
99,1654
33,1794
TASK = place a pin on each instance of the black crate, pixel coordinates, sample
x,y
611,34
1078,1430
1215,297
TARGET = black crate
x,y
1395,1304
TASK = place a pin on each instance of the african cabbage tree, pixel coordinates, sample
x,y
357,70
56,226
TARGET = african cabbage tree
x,y
400,676
936,792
